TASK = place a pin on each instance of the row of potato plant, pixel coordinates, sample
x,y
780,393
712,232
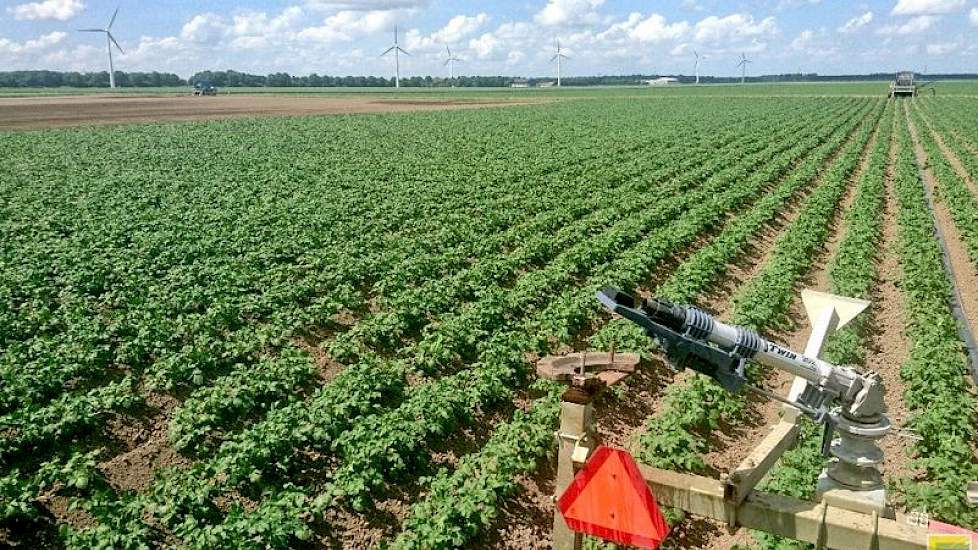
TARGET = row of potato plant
x,y
852,272
438,506
937,388
390,452
677,437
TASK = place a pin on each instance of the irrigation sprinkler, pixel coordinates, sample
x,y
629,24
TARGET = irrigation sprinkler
x,y
851,511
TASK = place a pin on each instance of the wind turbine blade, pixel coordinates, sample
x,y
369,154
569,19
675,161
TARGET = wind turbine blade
x,y
112,38
400,49
91,30
387,51
115,13
447,61
553,58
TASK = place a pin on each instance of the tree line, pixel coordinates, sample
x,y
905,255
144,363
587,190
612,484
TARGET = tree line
x,y
233,79
57,79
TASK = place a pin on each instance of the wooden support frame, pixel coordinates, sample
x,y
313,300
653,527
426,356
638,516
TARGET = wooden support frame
x,y
816,523
752,469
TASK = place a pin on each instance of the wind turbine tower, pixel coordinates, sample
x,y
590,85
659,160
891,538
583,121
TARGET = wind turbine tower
x,y
109,41
557,57
450,61
743,67
697,66
397,60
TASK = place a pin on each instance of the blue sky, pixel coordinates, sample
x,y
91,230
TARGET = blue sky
x,y
511,37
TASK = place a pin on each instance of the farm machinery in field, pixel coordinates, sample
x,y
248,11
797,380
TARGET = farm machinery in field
x,y
905,85
852,510
205,88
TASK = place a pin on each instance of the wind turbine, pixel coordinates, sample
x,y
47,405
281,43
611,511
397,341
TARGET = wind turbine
x,y
397,60
450,61
109,41
743,67
558,56
697,66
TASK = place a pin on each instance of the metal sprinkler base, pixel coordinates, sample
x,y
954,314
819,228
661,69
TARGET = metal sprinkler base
x,y
837,495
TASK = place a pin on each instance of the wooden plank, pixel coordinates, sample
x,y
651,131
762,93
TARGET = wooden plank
x,y
749,473
809,522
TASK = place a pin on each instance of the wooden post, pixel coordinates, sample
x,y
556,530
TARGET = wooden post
x,y
575,440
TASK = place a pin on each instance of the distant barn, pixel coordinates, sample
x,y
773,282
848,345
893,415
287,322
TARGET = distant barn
x,y
661,81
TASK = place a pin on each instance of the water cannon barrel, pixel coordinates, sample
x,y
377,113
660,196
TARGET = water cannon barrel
x,y
699,325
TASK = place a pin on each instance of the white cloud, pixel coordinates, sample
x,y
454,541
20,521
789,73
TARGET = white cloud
x,y
916,25
365,5
788,4
655,29
37,44
973,16
927,7
522,37
348,24
569,13
733,27
857,23
680,50
246,29
941,49
485,46
62,10
252,23
651,29
691,5
515,57
803,41
205,28
457,29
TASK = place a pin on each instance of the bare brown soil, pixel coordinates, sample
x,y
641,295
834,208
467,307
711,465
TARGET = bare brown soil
x,y
60,112
144,438
965,275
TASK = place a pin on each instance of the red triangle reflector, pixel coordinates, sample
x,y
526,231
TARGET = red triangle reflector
x,y
609,499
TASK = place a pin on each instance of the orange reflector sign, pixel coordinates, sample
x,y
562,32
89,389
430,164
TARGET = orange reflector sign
x,y
609,499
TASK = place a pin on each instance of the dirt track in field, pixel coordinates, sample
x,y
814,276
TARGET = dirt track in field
x,y
27,113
